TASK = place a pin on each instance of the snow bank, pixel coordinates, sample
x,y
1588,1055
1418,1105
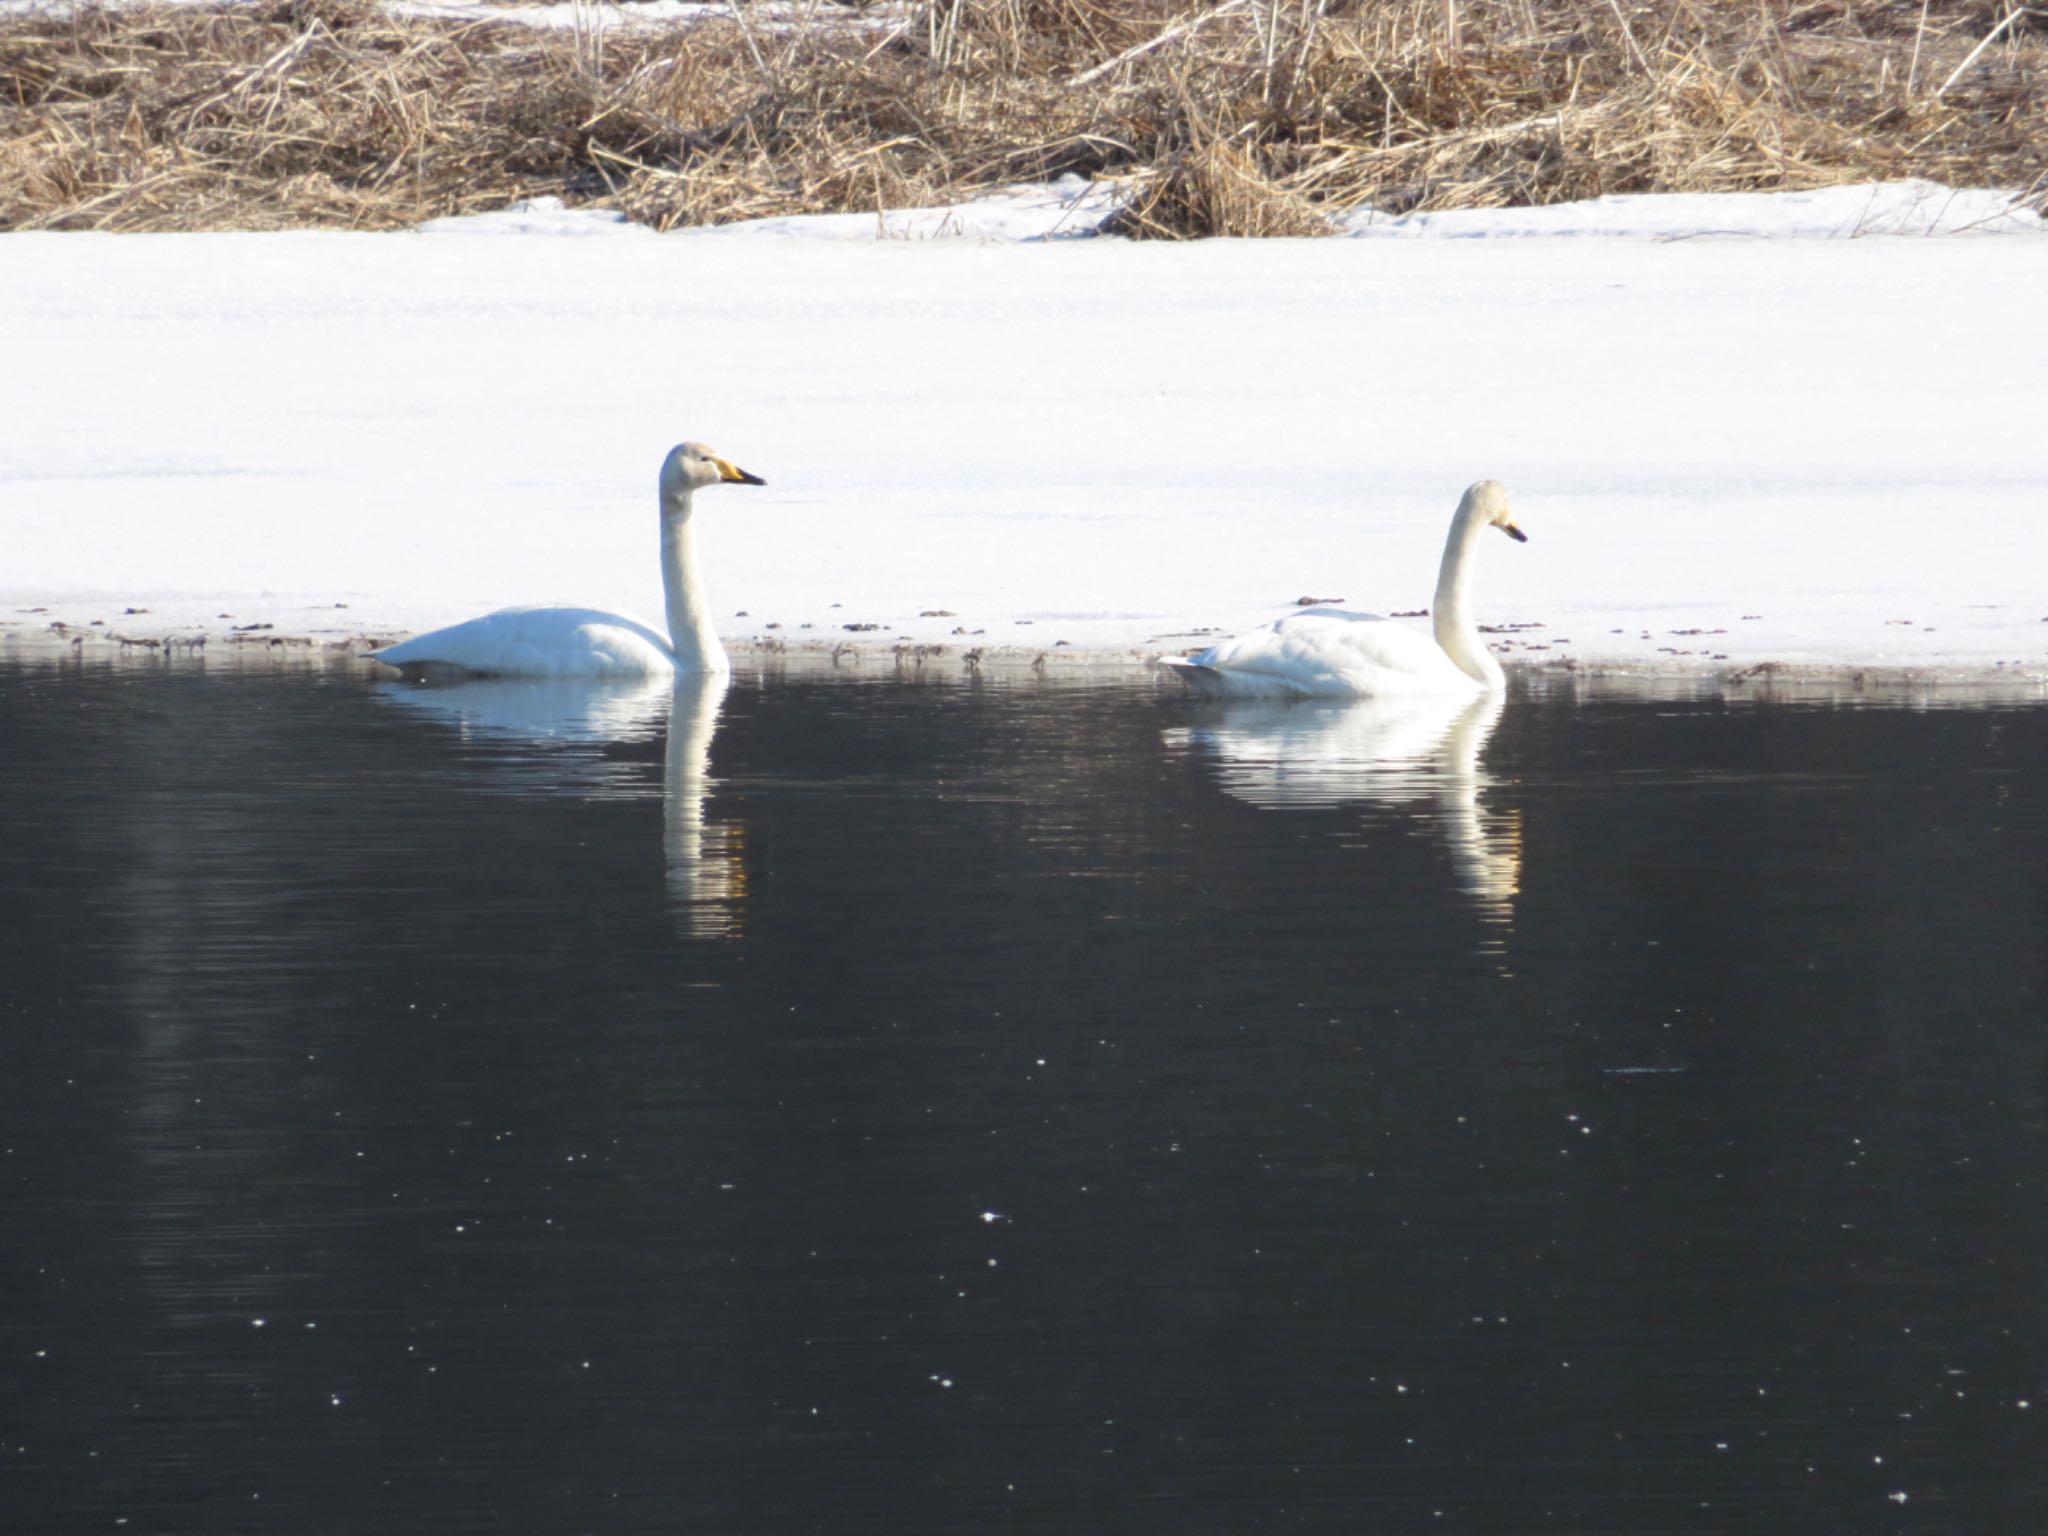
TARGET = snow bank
x,y
1829,213
1072,207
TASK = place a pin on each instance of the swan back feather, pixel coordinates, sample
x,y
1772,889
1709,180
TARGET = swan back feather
x,y
1325,652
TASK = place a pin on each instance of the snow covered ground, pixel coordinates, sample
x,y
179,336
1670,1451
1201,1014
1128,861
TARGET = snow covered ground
x,y
1733,435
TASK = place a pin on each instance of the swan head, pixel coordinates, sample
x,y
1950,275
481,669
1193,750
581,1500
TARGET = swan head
x,y
692,466
1486,502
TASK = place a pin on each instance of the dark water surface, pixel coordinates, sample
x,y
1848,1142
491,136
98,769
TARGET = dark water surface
x,y
1016,1108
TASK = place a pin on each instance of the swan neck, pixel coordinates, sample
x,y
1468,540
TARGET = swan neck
x,y
1451,613
691,635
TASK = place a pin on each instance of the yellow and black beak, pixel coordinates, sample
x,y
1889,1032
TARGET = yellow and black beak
x,y
732,474
1514,533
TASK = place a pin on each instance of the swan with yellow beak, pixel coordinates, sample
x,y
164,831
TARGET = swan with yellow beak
x,y
1325,651
588,642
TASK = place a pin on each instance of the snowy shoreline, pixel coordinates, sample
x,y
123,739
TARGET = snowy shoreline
x,y
854,661
1760,446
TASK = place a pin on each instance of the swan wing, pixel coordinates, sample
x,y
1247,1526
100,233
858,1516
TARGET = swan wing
x,y
1327,652
537,642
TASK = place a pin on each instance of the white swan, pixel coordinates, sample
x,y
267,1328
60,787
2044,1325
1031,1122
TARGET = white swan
x,y
587,642
1331,652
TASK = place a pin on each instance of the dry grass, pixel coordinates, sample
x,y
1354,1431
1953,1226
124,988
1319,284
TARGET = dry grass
x,y
1252,117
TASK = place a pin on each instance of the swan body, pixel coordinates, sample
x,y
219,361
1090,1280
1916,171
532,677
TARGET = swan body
x,y
588,642
538,642
1330,652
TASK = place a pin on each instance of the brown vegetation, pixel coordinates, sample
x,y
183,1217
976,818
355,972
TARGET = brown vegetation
x,y
1247,117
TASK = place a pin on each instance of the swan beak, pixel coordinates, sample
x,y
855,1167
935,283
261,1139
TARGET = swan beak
x,y
732,474
1514,533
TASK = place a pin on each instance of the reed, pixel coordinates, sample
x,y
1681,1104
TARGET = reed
x,y
1232,117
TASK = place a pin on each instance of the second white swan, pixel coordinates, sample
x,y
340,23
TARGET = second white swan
x,y
1328,651
588,642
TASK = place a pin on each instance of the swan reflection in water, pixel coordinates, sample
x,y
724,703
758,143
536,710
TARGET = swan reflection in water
x,y
707,869
1317,754
556,730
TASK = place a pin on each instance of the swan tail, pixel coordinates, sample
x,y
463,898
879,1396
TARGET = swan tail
x,y
1209,682
405,659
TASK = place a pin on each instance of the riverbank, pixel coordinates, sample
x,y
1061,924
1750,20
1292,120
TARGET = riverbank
x,y
1733,449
